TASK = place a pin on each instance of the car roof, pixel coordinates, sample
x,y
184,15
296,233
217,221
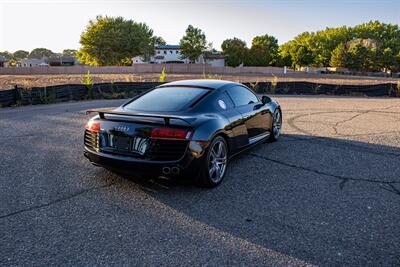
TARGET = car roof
x,y
211,84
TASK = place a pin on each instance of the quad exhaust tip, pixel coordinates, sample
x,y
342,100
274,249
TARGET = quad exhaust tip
x,y
175,170
167,170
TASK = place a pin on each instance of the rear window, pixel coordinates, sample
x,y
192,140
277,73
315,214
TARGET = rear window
x,y
167,99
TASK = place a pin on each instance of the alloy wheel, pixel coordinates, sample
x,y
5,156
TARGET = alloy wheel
x,y
217,161
277,124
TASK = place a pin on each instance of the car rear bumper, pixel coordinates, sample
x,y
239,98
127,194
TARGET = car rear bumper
x,y
188,165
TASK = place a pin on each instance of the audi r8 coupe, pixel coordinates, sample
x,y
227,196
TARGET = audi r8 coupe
x,y
185,128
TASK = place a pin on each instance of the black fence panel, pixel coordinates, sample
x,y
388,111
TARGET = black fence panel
x,y
73,92
308,88
7,97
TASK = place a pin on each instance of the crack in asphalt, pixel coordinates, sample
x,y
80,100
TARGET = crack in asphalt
x,y
360,113
343,179
291,123
57,200
392,189
337,124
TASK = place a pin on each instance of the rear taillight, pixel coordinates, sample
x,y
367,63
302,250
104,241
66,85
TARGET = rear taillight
x,y
93,126
169,133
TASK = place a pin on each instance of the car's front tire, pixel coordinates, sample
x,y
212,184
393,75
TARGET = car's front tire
x,y
215,163
276,126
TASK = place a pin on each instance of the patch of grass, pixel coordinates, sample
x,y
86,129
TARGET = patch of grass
x,y
88,82
274,84
254,86
115,93
286,90
213,77
394,90
316,88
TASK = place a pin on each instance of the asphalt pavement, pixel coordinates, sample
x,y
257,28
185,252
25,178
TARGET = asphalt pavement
x,y
327,193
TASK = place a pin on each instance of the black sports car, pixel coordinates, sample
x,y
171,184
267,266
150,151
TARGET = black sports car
x,y
185,128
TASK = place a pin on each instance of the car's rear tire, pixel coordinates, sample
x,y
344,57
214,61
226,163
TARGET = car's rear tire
x,y
215,163
276,126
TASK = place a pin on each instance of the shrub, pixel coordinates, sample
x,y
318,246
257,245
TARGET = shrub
x,y
398,88
254,86
274,84
162,76
88,82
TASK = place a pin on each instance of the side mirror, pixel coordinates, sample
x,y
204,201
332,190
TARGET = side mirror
x,y
266,99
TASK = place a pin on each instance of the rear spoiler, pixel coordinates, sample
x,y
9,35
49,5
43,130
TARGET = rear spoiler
x,y
166,118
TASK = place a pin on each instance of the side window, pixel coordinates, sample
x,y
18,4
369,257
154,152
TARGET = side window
x,y
242,96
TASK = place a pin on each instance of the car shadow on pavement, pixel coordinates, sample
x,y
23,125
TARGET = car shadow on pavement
x,y
325,201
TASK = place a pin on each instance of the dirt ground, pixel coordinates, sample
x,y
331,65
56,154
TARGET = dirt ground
x,y
28,81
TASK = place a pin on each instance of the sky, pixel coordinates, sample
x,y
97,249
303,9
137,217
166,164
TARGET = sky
x,y
57,24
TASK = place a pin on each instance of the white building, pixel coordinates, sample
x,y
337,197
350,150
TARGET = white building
x,y
32,62
163,54
3,61
138,60
215,59
168,54
172,54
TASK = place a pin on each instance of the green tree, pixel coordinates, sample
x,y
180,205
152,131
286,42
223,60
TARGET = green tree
x,y
300,50
235,51
303,56
339,57
193,43
397,65
113,41
150,50
69,52
322,44
387,34
364,54
284,57
20,54
7,55
388,59
264,50
357,56
157,40
40,53
369,40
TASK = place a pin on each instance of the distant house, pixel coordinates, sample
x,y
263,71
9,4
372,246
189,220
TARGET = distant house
x,y
172,54
214,58
168,54
138,60
32,62
48,61
3,61
163,54
62,61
